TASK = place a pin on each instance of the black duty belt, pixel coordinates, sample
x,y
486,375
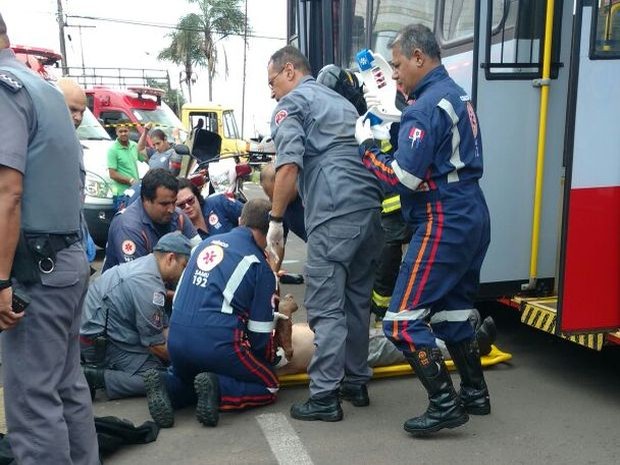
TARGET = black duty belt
x,y
57,242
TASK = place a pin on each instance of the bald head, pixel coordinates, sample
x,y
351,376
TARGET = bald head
x,y
4,39
75,97
267,179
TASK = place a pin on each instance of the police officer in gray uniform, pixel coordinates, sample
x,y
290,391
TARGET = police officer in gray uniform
x,y
124,325
46,399
313,128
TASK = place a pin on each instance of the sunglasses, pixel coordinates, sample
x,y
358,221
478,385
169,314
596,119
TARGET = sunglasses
x,y
189,202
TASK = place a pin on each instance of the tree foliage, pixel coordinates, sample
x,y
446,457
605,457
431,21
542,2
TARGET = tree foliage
x,y
198,33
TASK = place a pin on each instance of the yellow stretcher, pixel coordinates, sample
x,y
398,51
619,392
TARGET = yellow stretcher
x,y
492,358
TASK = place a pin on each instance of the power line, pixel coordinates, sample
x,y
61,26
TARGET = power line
x,y
165,26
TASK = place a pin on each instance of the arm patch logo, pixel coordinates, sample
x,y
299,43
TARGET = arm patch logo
x,y
280,116
128,247
210,257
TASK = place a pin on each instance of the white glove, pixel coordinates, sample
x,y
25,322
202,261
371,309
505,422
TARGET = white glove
x,y
362,130
275,237
381,131
372,99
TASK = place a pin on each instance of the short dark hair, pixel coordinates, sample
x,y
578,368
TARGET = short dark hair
x,y
158,177
185,183
416,36
290,54
161,135
255,215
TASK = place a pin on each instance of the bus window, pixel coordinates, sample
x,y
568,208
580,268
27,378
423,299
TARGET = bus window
x,y
230,126
389,16
358,31
606,37
457,20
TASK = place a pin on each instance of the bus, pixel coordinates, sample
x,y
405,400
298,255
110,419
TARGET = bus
x,y
544,76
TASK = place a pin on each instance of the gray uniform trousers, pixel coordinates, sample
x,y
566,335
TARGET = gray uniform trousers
x,y
46,399
123,370
342,257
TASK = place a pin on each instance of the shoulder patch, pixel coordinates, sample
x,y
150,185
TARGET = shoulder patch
x,y
159,299
213,219
128,247
280,116
10,82
210,257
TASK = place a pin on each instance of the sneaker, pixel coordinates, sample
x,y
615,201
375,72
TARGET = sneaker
x,y
207,389
158,400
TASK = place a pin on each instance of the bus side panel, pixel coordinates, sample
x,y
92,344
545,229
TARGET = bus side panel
x,y
591,297
590,292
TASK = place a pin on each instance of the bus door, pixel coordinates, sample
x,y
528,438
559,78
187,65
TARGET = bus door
x,y
507,61
590,288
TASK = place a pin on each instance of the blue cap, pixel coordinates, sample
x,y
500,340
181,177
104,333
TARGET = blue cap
x,y
174,242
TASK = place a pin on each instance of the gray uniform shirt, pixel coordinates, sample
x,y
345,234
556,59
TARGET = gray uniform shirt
x,y
17,118
314,128
133,294
161,160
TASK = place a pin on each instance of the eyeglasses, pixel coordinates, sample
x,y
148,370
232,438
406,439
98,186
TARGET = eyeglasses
x,y
270,83
189,202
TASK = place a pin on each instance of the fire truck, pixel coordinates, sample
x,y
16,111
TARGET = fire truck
x,y
543,76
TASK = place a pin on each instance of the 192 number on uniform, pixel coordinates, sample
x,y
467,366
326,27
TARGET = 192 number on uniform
x,y
200,281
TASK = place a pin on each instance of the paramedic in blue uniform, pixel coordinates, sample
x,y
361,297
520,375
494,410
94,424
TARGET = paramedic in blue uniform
x,y
436,170
135,230
314,132
124,324
220,341
46,399
221,213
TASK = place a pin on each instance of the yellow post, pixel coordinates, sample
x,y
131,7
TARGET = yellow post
x,y
542,138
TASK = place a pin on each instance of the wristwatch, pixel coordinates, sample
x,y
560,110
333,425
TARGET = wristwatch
x,y
276,219
4,283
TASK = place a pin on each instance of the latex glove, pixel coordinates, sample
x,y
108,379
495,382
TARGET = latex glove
x,y
372,99
362,130
275,237
381,131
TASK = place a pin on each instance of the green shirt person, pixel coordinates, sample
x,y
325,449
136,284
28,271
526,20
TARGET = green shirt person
x,y
123,159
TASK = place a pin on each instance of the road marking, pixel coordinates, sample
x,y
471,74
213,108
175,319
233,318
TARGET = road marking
x,y
284,442
288,262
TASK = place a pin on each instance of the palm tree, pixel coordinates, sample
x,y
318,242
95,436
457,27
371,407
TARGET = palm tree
x,y
217,17
186,48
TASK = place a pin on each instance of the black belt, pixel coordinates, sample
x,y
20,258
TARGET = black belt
x,y
57,242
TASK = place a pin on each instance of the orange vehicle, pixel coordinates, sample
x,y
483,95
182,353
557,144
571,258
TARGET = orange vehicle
x,y
136,105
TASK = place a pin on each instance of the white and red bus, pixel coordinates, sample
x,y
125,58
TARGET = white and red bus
x,y
545,78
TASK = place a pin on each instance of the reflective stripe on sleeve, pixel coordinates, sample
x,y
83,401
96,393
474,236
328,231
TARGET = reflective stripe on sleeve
x,y
260,326
406,179
235,280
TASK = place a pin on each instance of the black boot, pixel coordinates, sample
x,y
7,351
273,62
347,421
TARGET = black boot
x,y
485,335
324,408
207,389
357,394
474,392
95,379
444,409
158,399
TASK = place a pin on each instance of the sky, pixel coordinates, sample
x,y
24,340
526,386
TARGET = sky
x,y
109,44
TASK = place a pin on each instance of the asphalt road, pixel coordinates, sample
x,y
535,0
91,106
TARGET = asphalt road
x,y
554,403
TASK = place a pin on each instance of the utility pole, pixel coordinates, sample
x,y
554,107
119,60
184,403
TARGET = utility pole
x,y
61,35
245,54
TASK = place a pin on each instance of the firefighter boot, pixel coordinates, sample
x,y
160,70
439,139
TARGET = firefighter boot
x,y
444,409
474,392
357,394
485,335
207,388
324,408
158,399
94,378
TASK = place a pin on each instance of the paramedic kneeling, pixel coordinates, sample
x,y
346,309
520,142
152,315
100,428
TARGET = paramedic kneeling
x,y
221,343
124,325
